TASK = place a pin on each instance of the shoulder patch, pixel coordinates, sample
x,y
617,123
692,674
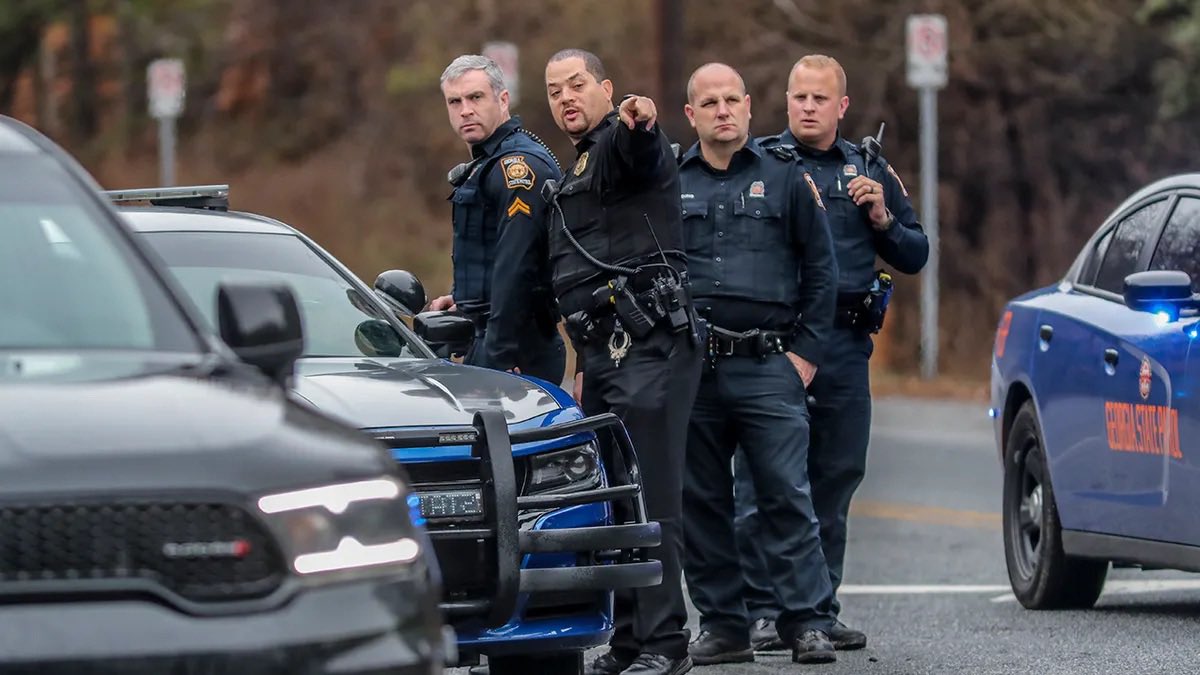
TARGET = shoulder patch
x,y
813,186
517,173
897,177
518,206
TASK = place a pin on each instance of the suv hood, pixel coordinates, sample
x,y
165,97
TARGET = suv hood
x,y
166,433
375,393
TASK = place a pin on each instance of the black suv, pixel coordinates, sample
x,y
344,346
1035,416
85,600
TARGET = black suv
x,y
164,505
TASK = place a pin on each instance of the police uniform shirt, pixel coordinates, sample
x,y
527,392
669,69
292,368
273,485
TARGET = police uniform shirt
x,y
759,249
903,245
500,249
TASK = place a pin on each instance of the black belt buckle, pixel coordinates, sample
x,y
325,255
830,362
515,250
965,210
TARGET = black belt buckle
x,y
769,343
728,341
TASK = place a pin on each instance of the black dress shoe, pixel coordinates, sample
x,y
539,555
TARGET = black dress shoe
x,y
710,648
845,637
813,646
657,664
609,663
764,637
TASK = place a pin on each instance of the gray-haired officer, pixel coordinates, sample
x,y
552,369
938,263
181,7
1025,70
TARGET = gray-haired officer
x,y
501,256
764,276
869,215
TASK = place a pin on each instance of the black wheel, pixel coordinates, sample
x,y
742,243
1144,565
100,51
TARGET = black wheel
x,y
1042,576
551,663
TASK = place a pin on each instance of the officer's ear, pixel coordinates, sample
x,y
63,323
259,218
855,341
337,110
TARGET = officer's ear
x,y
690,112
607,86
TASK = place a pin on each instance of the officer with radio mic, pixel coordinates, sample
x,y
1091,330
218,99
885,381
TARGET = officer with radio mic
x,y
764,276
620,276
501,272
870,216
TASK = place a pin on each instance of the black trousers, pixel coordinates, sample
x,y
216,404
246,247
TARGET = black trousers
x,y
837,462
759,405
652,392
543,356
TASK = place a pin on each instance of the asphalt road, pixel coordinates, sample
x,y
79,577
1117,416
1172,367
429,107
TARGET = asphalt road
x,y
926,579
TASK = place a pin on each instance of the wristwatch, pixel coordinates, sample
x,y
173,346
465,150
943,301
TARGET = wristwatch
x,y
891,220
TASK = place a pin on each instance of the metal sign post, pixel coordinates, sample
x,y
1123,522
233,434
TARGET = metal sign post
x,y
165,90
927,47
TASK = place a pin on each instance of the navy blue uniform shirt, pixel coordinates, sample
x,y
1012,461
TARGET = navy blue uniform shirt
x,y
904,245
759,248
501,256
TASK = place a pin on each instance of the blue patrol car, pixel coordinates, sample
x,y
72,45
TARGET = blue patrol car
x,y
535,511
1095,388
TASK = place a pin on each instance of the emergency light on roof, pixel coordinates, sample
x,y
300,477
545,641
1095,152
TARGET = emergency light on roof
x,y
214,197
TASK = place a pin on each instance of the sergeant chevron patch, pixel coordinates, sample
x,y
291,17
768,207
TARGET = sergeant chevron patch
x,y
518,206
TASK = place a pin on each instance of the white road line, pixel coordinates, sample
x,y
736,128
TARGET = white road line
x,y
917,589
1128,587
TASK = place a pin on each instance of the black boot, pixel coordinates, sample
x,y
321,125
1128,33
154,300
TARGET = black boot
x,y
710,648
845,637
813,646
657,664
764,637
610,662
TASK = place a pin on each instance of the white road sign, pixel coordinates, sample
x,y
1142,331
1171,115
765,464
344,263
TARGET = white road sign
x,y
506,55
165,85
927,46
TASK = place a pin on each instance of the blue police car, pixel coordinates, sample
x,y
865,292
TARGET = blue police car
x,y
1095,388
535,511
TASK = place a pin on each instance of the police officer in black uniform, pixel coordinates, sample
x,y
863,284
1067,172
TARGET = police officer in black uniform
x,y
764,276
869,215
501,268
620,278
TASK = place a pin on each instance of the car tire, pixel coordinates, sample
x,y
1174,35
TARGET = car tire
x,y
1041,574
552,663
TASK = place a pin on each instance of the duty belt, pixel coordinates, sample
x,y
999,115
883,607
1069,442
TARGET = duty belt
x,y
755,342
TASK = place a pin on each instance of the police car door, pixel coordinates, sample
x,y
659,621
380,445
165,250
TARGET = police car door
x,y
1126,368
1178,248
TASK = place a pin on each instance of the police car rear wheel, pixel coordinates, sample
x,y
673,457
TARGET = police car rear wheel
x,y
1041,574
554,663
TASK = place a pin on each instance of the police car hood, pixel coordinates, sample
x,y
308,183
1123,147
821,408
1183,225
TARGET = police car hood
x,y
167,433
373,393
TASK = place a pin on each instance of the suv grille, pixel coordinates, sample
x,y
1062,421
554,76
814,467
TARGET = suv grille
x,y
199,551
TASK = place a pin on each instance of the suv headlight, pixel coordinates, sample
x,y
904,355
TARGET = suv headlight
x,y
346,526
570,470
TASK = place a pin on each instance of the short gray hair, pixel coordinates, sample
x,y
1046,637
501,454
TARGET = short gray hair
x,y
468,62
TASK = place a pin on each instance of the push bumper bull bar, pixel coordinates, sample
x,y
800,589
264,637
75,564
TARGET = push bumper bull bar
x,y
615,555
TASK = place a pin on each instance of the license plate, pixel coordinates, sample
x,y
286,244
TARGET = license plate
x,y
451,503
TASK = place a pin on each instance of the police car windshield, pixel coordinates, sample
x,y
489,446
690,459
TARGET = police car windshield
x,y
70,283
338,321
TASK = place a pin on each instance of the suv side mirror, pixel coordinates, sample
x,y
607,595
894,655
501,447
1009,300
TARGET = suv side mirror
x,y
261,323
402,291
448,333
1159,291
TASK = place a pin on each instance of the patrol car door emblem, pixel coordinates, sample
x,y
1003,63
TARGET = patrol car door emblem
x,y
1144,378
758,189
581,163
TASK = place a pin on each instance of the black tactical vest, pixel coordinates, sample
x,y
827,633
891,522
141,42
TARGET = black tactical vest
x,y
617,220
476,223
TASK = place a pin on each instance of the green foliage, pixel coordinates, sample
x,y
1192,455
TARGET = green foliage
x,y
1178,75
